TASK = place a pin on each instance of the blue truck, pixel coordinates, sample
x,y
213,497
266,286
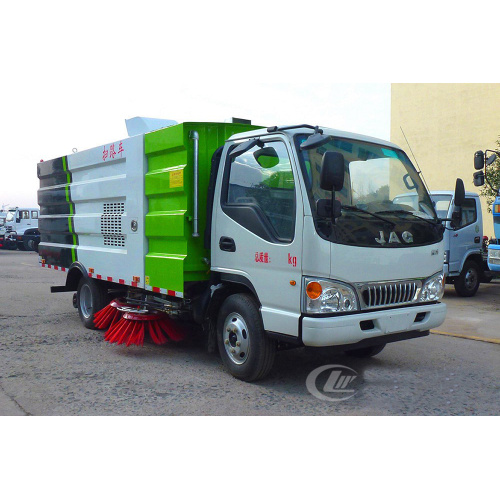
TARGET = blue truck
x,y
481,163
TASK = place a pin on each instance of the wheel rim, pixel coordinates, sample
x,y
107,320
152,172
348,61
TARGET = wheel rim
x,y
31,244
471,279
86,301
236,338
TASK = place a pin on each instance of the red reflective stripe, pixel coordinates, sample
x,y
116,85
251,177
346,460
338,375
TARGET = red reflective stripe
x,y
56,267
98,276
49,266
122,282
171,292
156,289
63,269
134,283
110,278
90,275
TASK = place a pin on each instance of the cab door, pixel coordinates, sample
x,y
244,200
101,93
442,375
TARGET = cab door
x,y
257,230
466,237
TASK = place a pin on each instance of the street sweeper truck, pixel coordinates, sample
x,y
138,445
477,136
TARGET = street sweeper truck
x,y
267,237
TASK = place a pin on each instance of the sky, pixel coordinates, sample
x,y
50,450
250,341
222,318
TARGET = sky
x,y
72,73
56,128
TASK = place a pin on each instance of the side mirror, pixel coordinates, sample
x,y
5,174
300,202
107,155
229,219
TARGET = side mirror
x,y
478,160
315,141
478,179
459,193
456,216
491,159
324,208
244,147
267,157
332,171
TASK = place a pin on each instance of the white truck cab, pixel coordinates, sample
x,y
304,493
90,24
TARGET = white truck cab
x,y
21,229
465,264
372,271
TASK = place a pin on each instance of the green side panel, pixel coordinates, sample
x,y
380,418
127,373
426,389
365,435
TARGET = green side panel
x,y
174,255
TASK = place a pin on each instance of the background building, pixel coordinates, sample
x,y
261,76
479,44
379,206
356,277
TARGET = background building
x,y
445,123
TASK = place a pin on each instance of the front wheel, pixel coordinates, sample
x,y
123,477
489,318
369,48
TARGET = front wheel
x,y
29,243
246,351
91,297
467,283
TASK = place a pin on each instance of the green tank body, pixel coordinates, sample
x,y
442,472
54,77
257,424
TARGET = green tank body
x,y
174,256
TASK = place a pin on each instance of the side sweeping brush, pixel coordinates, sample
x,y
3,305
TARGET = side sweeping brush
x,y
109,315
129,326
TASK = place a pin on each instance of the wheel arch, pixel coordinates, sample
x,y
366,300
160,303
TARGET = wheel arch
x,y
225,286
474,257
75,273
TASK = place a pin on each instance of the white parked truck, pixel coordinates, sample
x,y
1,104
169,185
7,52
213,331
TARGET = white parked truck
x,y
20,229
285,236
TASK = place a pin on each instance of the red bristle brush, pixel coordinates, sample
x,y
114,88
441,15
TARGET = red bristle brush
x,y
109,315
133,326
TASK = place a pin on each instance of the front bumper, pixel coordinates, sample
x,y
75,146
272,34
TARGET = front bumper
x,y
493,264
353,328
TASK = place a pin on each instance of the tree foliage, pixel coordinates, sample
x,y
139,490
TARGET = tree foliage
x,y
493,175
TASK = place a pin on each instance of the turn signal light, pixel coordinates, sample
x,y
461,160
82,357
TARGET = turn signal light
x,y
314,290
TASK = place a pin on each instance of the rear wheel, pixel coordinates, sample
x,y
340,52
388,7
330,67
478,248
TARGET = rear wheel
x,y
91,297
29,243
246,351
467,283
366,352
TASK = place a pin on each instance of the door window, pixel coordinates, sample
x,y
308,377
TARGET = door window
x,y
34,214
261,192
469,212
24,214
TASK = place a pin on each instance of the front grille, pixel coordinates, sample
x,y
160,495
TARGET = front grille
x,y
388,294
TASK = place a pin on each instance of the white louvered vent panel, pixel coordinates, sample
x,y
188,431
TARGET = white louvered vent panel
x,y
111,224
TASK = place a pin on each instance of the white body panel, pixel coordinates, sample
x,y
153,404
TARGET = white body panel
x,y
108,194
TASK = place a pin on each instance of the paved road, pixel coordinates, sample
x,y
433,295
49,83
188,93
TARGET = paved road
x,y
51,365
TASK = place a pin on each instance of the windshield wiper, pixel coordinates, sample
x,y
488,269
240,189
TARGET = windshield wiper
x,y
406,212
353,208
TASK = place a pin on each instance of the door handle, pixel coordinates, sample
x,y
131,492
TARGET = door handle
x,y
227,244
477,239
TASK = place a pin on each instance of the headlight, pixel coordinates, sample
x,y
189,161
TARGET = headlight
x,y
433,288
325,296
493,254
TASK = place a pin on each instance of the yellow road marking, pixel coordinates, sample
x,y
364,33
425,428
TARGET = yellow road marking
x,y
469,337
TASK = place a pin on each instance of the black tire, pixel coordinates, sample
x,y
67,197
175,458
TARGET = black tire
x,y
91,297
366,352
29,243
239,320
10,245
467,283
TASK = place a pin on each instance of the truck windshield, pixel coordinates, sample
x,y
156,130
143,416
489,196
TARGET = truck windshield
x,y
441,204
382,198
